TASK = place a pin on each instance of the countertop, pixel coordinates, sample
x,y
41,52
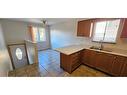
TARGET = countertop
x,y
68,50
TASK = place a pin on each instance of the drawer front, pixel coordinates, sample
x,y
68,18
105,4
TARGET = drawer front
x,y
75,55
75,60
75,65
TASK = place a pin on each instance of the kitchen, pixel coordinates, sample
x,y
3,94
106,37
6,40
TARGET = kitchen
x,y
76,47
108,56
58,47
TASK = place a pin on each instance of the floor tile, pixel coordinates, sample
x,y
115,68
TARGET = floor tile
x,y
49,66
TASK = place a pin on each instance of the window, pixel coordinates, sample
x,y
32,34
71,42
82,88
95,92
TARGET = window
x,y
42,34
106,31
38,34
19,53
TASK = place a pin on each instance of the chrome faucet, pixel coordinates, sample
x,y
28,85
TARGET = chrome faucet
x,y
101,44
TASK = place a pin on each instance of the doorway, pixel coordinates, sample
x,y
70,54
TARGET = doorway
x,y
18,55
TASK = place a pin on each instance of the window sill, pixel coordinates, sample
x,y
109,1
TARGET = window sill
x,y
104,42
41,41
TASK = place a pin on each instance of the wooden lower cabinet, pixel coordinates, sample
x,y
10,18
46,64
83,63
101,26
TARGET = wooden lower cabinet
x,y
109,63
70,62
65,62
98,60
104,61
112,64
117,66
89,58
124,69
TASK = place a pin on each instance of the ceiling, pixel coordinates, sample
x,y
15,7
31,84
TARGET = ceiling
x,y
49,21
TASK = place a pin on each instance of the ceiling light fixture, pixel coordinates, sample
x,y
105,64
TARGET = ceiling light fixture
x,y
44,22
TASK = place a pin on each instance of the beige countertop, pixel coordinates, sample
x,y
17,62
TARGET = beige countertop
x,y
70,49
75,48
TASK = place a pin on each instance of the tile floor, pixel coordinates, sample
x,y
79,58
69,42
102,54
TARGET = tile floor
x,y
49,66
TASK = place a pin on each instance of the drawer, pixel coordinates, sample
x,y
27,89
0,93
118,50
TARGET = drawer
x,y
74,66
75,59
76,55
75,62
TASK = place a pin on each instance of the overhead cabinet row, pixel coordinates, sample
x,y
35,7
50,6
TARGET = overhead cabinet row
x,y
85,27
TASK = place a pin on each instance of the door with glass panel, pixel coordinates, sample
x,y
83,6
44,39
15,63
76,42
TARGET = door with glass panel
x,y
18,55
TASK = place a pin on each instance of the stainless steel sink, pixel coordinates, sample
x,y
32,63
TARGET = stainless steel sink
x,y
101,49
95,47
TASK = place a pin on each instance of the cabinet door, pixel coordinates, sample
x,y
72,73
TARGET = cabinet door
x,y
83,28
124,69
117,65
65,62
104,61
89,58
124,31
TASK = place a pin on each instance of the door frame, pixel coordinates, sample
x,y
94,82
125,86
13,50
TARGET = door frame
x,y
9,50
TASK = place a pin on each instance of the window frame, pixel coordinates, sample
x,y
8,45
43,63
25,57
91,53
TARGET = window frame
x,y
94,27
38,33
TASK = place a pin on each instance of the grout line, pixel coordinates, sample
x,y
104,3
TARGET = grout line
x,y
45,69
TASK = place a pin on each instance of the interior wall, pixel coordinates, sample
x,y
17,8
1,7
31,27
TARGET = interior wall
x,y
17,32
5,62
64,34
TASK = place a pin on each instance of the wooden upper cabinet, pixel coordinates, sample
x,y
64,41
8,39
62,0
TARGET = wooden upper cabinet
x,y
84,28
124,30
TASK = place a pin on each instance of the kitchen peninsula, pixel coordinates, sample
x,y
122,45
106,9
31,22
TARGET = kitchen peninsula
x,y
111,62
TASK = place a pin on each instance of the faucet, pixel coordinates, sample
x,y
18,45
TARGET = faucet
x,y
101,44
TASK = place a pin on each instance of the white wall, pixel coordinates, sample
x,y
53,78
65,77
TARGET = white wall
x,y
5,62
63,34
16,32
